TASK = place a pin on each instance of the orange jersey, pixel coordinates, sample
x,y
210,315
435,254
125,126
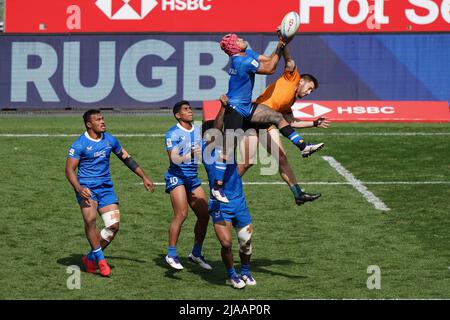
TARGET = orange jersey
x,y
281,94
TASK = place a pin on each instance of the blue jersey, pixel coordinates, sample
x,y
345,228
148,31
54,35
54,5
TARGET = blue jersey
x,y
242,78
232,181
93,156
184,140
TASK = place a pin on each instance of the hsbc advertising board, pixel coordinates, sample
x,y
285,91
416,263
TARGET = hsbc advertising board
x,y
124,71
224,16
360,111
373,111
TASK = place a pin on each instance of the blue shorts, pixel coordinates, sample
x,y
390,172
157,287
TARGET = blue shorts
x,y
235,211
245,110
173,181
101,191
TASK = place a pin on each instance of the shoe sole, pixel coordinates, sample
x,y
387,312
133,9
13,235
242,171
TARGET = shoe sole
x,y
312,152
239,288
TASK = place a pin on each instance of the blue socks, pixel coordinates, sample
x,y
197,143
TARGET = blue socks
x,y
96,254
172,251
90,255
197,250
245,269
231,272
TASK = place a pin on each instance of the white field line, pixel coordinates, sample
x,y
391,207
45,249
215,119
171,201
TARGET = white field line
x,y
51,135
158,135
357,184
335,183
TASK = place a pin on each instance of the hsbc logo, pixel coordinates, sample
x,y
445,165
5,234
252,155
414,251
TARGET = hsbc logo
x,y
309,110
139,9
366,110
126,9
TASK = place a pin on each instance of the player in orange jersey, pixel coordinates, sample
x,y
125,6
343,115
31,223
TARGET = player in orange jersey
x,y
280,95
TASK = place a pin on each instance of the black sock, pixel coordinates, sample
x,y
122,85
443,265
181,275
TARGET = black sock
x,y
293,136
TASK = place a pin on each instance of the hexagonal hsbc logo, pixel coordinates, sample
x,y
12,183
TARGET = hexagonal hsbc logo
x,y
308,110
126,9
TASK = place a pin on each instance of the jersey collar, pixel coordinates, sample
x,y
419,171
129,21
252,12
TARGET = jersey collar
x,y
89,137
182,128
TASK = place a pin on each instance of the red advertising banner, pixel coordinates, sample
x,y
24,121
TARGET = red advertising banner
x,y
360,111
223,16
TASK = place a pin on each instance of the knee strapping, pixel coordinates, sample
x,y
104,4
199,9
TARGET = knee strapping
x,y
109,218
244,237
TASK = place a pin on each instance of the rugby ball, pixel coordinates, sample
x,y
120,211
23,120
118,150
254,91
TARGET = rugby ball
x,y
290,24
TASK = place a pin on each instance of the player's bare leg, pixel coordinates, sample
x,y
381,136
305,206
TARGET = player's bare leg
x,y
223,233
247,147
198,203
245,253
89,212
179,202
274,146
108,234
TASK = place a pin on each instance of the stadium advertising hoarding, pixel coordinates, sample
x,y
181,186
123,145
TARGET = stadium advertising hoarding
x,y
360,111
62,16
153,71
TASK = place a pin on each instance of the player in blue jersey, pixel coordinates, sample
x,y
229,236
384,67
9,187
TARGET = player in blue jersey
x,y
183,145
245,63
225,216
90,156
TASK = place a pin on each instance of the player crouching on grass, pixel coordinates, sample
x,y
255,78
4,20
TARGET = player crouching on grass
x,y
93,186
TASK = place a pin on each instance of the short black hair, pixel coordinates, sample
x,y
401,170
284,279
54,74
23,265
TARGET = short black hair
x,y
87,115
309,77
177,107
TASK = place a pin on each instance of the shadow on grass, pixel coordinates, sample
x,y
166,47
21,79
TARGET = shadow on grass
x,y
75,260
218,275
160,261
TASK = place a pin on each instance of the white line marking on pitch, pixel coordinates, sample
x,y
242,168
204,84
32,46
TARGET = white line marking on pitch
x,y
50,135
158,135
357,184
269,183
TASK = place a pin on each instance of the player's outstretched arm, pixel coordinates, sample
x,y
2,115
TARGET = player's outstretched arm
x,y
134,166
218,121
268,65
301,124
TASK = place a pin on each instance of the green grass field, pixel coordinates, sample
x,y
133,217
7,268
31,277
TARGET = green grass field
x,y
319,250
